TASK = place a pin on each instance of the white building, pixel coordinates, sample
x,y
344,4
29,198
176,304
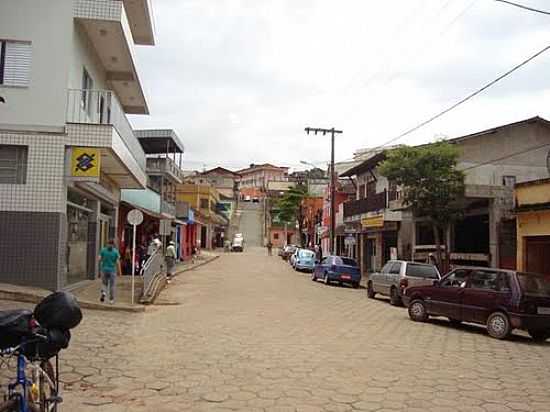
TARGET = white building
x,y
68,78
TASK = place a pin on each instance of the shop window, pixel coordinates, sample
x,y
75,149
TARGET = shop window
x,y
275,236
204,203
13,164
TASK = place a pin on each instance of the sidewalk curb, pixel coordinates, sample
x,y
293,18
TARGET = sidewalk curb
x,y
36,298
198,265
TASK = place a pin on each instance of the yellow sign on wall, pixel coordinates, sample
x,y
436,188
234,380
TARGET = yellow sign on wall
x,y
85,162
374,221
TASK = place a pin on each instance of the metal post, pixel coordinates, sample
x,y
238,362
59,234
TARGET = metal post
x,y
332,197
133,261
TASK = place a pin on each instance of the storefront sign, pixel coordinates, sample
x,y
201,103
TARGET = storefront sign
x,y
85,162
350,240
372,222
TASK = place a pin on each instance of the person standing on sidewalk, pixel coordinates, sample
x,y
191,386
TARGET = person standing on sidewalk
x,y
171,257
269,248
109,266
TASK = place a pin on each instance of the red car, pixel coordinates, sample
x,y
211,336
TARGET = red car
x,y
502,300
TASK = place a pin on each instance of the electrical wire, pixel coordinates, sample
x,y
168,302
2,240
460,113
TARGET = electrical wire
x,y
532,149
521,6
462,101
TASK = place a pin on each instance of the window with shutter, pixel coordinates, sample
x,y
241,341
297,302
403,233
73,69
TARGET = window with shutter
x,y
15,63
13,164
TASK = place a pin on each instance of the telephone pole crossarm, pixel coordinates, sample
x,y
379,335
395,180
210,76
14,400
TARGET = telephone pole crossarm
x,y
332,132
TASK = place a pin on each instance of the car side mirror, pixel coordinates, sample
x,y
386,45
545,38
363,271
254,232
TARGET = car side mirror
x,y
435,283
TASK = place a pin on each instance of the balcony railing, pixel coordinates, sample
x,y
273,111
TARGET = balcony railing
x,y
102,107
164,165
372,203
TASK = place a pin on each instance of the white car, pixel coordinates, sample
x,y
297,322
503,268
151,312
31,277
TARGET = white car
x,y
292,258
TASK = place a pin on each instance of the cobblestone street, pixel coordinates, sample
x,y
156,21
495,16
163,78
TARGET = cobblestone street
x,y
248,333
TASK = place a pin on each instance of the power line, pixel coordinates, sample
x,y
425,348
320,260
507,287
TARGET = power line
x,y
464,100
532,149
524,7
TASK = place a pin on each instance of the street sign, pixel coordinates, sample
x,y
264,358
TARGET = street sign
x,y
135,217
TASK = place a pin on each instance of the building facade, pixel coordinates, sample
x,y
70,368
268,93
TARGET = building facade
x,y
493,161
533,226
68,81
257,177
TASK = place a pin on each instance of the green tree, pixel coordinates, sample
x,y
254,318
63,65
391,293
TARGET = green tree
x,y
287,209
432,185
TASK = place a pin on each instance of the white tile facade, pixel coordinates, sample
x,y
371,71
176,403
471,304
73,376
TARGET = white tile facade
x,y
44,190
98,9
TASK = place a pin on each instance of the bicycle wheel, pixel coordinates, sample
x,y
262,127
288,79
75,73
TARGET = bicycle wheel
x,y
48,392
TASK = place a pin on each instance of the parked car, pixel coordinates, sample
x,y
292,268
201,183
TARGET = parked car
x,y
502,300
287,251
304,259
292,257
337,269
397,275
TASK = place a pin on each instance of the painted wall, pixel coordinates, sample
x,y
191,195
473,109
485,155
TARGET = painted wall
x,y
48,25
533,194
530,224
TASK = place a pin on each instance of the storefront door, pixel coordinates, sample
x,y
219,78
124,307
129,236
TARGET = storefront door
x,y
78,240
537,252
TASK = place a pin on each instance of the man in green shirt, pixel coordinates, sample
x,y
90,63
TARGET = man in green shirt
x,y
109,266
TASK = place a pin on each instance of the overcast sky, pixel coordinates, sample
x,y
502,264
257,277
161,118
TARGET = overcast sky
x,y
240,79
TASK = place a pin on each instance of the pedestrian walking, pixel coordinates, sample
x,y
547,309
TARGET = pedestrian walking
x,y
269,248
109,265
170,260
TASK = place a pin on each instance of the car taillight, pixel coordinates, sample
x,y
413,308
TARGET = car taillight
x,y
404,283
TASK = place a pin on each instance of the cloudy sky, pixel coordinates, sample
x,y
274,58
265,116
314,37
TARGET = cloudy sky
x,y
240,79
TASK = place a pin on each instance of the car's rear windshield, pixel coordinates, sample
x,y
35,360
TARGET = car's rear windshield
x,y
344,261
534,284
306,253
422,271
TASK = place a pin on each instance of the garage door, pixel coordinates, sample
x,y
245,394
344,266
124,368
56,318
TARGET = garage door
x,y
537,248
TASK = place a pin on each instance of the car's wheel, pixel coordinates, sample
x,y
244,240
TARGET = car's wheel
x,y
498,325
326,280
455,322
370,290
395,300
539,335
417,311
355,285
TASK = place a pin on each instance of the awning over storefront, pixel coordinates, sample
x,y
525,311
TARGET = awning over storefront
x,y
144,210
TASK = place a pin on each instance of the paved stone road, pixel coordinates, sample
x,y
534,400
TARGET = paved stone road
x,y
247,333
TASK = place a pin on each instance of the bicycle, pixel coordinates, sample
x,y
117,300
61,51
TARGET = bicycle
x,y
33,338
39,392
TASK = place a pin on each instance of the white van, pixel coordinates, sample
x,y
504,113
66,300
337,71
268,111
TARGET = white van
x,y
238,243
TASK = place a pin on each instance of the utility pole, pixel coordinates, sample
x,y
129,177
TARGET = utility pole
x,y
332,182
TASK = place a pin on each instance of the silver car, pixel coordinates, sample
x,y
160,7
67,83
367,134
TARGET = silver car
x,y
398,275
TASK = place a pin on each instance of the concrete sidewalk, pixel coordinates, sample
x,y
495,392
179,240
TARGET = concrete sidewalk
x,y
88,292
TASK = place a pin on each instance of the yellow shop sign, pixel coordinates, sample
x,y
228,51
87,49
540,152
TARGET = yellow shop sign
x,y
374,221
85,162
